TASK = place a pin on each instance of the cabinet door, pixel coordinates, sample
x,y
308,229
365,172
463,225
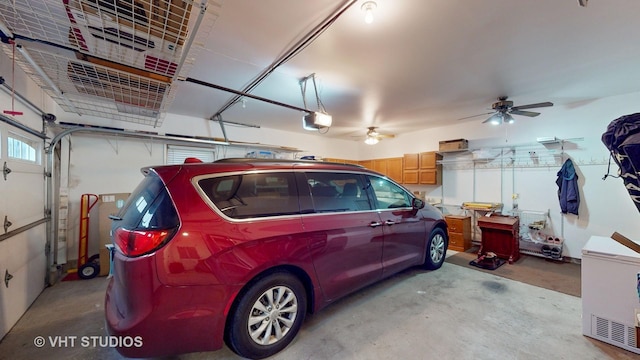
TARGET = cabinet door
x,y
430,177
410,177
380,165
367,164
428,160
411,161
394,169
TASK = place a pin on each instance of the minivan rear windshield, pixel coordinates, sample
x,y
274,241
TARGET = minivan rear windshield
x,y
148,207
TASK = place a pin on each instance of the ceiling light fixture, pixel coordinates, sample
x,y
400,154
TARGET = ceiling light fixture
x,y
508,118
501,118
371,140
495,119
368,8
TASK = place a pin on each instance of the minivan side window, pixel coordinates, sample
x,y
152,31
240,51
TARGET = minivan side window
x,y
388,194
336,192
253,195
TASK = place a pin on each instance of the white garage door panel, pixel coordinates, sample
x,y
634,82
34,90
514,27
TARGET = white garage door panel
x,y
22,200
23,194
22,249
25,286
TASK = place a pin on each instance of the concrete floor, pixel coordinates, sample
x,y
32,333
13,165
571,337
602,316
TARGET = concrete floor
x,y
451,313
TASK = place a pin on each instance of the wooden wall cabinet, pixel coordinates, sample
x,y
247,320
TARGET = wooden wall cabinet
x,y
380,165
430,172
410,177
366,163
411,161
341,161
394,169
459,228
410,169
391,167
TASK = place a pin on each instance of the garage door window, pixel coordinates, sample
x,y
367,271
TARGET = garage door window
x,y
21,148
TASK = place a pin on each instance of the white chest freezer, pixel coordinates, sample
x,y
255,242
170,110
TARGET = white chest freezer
x,y
610,292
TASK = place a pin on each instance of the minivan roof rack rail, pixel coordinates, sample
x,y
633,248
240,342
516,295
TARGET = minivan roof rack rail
x,y
263,160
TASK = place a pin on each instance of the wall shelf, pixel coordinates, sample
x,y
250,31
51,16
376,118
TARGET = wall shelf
x,y
532,155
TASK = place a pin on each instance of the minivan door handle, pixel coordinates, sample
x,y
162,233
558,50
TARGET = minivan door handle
x,y
389,222
375,224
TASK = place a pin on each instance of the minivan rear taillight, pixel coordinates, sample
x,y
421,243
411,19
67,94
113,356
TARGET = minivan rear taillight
x,y
140,242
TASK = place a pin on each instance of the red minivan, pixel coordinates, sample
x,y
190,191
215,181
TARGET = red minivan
x,y
238,251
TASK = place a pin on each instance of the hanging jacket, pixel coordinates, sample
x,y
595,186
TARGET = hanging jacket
x,y
568,194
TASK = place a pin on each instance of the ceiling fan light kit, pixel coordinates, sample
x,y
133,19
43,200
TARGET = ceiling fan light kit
x,y
371,140
495,119
504,109
508,119
373,136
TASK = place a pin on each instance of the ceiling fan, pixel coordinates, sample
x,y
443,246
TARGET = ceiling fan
x,y
503,109
373,136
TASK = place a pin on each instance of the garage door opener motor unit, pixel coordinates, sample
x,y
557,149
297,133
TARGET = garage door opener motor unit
x,y
316,120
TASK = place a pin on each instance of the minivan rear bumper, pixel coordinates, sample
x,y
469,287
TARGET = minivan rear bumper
x,y
151,319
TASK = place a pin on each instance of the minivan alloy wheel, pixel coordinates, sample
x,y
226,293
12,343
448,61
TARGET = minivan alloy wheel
x,y
272,315
436,250
267,316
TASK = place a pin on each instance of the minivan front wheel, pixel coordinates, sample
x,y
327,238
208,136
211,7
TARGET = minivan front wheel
x,y
436,249
267,317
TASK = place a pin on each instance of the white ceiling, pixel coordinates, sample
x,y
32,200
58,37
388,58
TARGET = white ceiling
x,y
420,64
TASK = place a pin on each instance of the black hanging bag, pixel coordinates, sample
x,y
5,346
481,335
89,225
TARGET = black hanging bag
x,y
622,138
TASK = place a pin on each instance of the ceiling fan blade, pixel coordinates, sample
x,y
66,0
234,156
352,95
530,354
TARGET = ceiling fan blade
x,y
531,106
385,136
525,113
472,116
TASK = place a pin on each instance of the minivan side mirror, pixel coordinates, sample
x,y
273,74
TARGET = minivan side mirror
x,y
417,204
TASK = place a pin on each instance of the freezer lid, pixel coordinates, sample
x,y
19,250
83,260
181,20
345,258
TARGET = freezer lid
x,y
607,247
